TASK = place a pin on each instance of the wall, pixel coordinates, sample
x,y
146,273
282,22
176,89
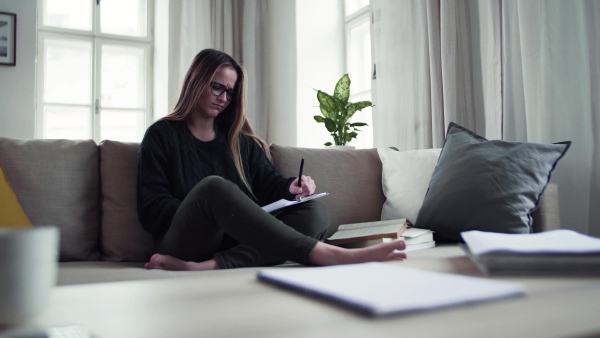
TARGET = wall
x,y
17,83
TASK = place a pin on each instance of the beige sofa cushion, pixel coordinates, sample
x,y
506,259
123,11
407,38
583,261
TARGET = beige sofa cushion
x,y
123,238
56,182
351,177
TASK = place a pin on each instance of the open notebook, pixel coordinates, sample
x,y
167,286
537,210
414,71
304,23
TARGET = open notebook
x,y
283,203
381,288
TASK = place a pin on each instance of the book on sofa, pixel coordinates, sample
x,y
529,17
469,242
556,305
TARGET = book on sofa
x,y
415,238
358,235
556,252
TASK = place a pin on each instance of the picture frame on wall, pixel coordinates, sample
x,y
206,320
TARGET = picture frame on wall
x,y
8,39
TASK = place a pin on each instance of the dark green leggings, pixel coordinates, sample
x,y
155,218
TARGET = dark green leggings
x,y
217,220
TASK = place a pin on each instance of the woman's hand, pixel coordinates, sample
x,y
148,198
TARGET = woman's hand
x,y
307,187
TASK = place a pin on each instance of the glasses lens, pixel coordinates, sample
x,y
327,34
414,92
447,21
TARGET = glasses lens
x,y
217,89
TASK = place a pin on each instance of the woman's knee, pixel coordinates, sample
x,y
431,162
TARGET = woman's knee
x,y
212,182
212,186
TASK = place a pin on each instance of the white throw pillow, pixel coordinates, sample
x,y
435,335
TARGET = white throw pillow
x,y
405,180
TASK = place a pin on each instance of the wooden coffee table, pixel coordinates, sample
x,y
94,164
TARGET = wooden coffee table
x,y
236,304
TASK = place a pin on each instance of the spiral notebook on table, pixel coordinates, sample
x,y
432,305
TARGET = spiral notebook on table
x,y
383,289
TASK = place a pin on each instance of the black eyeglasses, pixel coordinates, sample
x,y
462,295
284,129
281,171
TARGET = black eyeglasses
x,y
217,89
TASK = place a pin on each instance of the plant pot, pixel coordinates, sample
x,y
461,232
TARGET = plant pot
x,y
340,147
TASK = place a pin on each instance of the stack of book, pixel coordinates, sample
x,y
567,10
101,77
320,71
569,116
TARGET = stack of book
x,y
557,252
358,235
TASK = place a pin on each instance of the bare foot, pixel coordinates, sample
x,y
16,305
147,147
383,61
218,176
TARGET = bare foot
x,y
165,262
325,254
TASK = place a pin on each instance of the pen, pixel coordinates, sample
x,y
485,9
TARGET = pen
x,y
300,174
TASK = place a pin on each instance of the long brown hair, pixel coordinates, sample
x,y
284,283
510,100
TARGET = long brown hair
x,y
197,80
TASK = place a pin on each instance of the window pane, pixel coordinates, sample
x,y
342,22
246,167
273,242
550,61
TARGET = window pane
x,y
354,5
123,17
123,77
119,125
72,14
67,122
359,57
67,71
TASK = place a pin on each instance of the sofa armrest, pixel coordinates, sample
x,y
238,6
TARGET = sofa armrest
x,y
547,216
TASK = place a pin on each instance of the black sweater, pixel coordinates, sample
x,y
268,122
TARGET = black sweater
x,y
172,161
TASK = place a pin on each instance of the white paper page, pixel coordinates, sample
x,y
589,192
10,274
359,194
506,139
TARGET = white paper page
x,y
415,232
380,288
282,203
419,246
555,241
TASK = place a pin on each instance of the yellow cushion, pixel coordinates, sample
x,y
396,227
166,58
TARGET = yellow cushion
x,y
11,213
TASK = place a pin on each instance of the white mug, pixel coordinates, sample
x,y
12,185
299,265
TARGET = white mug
x,y
28,272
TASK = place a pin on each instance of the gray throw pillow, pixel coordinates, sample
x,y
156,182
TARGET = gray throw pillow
x,y
487,185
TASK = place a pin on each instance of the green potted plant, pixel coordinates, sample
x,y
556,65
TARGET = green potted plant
x,y
337,112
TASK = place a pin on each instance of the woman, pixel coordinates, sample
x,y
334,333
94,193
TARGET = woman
x,y
203,176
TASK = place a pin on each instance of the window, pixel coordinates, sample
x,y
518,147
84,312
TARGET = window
x,y
358,64
93,75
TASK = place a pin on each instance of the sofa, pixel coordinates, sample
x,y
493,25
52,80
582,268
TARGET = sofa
x,y
89,192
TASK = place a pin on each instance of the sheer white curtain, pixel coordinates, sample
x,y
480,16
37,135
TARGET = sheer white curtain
x,y
242,29
189,25
255,59
198,24
551,73
512,70
424,54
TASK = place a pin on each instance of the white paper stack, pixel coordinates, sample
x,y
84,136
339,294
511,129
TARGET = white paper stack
x,y
556,252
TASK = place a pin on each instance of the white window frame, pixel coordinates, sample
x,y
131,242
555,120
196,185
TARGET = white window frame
x,y
351,21
97,39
